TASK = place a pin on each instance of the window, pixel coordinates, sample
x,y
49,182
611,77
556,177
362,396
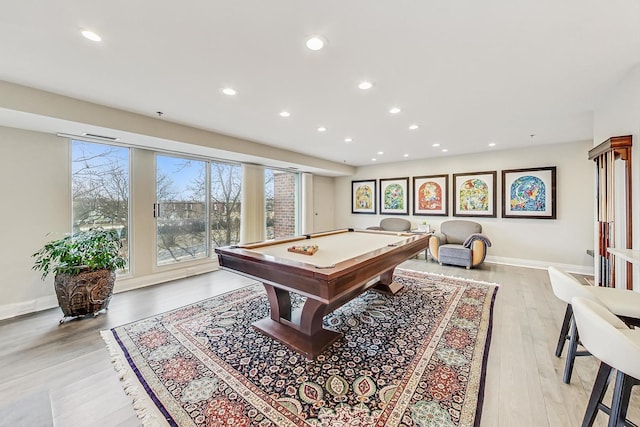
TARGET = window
x,y
181,209
226,184
282,203
100,188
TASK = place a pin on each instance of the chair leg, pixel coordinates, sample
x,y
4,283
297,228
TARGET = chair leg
x,y
564,330
599,389
571,352
621,396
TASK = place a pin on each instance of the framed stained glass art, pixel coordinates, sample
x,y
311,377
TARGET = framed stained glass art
x,y
474,194
394,196
529,193
363,197
431,195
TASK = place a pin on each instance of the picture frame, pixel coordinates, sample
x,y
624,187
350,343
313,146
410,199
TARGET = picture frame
x,y
529,193
474,194
431,195
394,196
363,197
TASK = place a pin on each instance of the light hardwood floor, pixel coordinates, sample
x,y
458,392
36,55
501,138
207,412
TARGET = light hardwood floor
x,y
62,375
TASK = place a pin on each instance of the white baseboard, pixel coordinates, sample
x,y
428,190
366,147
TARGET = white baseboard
x,y
129,283
587,270
8,311
122,285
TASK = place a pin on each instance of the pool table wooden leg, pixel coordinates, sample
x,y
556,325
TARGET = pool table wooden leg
x,y
311,317
279,302
386,283
301,331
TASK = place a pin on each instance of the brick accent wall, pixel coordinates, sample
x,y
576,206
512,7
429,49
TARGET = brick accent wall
x,y
284,205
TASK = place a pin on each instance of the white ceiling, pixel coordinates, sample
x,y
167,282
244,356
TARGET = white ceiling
x,y
468,72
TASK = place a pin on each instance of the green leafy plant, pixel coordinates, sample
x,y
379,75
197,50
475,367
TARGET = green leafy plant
x,y
94,249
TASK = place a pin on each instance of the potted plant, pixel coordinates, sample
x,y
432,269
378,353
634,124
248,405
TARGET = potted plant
x,y
84,265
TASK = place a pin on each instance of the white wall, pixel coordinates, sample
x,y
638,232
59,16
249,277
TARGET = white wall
x,y
35,188
530,242
35,183
323,203
36,193
619,114
34,179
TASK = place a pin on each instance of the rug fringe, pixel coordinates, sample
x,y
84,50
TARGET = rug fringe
x,y
142,404
465,279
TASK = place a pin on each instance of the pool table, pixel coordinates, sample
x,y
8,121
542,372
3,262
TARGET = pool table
x,y
345,265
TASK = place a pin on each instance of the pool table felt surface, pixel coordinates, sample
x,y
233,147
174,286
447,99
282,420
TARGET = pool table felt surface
x,y
332,248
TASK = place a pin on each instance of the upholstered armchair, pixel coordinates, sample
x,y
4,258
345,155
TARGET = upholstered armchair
x,y
392,224
459,242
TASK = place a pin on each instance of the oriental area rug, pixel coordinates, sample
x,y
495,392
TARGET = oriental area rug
x,y
416,358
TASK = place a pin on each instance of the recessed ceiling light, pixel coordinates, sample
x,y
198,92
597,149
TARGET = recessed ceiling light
x,y
492,144
285,114
395,110
435,144
413,127
444,150
365,85
322,129
405,155
316,42
348,140
229,91
373,159
380,153
91,36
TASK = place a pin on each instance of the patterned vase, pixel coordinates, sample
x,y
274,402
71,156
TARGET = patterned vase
x,y
85,293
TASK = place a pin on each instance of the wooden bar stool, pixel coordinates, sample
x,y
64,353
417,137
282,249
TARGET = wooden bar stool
x,y
618,347
623,303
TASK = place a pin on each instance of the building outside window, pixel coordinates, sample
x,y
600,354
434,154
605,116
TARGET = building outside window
x,y
198,202
197,209
180,209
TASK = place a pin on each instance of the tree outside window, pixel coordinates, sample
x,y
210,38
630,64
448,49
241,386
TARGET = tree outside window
x,y
100,188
